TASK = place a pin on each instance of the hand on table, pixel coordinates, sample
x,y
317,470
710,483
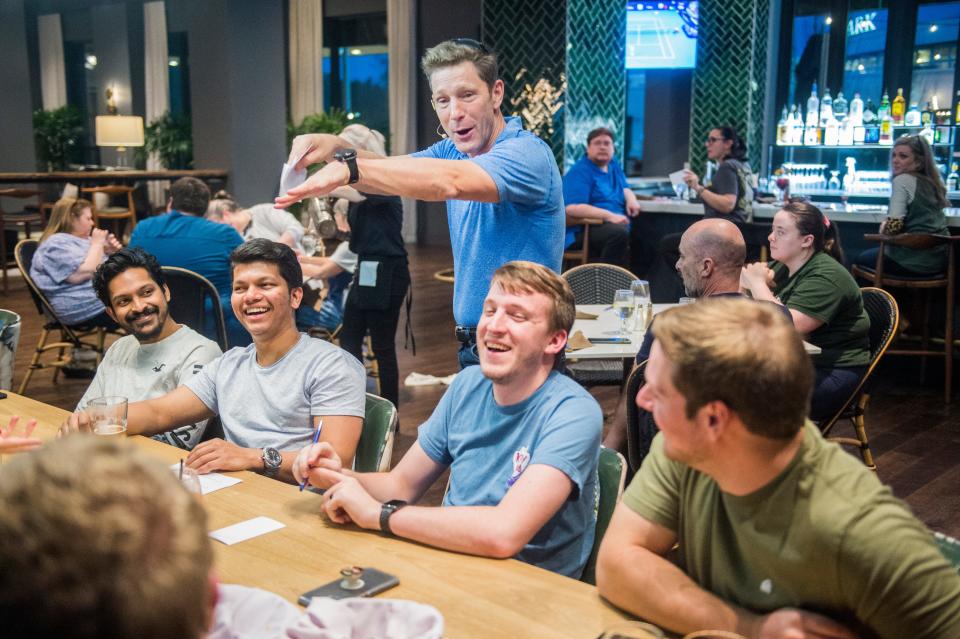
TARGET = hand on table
x,y
348,502
217,454
78,422
792,623
320,464
10,442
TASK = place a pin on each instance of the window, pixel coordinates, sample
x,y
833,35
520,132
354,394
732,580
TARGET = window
x,y
864,55
935,54
178,61
633,132
355,69
808,55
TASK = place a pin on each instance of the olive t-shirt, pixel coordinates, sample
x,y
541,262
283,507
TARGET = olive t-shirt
x,y
823,289
825,536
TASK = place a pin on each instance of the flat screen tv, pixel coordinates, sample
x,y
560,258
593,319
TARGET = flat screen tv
x,y
661,35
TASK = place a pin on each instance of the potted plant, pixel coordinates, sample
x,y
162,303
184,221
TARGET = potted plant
x,y
171,138
330,122
57,134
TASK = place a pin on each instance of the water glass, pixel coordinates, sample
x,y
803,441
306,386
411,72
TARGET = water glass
x,y
623,306
190,480
108,416
643,306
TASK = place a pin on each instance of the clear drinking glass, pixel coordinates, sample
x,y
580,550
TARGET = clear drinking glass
x,y
632,630
642,305
190,480
623,306
108,416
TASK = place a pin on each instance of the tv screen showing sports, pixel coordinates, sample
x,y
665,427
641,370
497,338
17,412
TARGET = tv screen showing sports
x,y
661,35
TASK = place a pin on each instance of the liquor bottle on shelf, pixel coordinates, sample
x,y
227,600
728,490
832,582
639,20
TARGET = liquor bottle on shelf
x,y
840,106
926,116
811,135
927,133
796,128
884,109
831,132
782,128
870,113
898,108
953,178
847,133
826,107
856,110
956,110
813,108
913,115
886,128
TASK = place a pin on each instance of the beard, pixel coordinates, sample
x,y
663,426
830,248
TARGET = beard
x,y
147,333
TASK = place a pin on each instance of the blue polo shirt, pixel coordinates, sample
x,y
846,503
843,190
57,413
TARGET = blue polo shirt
x,y
527,223
587,183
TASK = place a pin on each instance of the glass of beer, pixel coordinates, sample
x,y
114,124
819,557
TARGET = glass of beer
x,y
108,416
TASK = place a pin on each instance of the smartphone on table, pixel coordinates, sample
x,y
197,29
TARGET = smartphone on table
x,y
374,582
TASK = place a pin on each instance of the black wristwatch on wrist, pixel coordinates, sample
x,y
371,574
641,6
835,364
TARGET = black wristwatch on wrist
x,y
272,459
349,157
386,511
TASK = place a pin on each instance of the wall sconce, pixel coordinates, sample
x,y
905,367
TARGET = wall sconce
x,y
111,101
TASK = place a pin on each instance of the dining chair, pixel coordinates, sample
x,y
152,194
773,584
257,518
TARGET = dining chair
x,y
375,448
194,301
118,216
26,218
611,479
580,255
884,319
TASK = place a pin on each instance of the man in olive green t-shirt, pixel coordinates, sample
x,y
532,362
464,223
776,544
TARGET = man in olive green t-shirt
x,y
780,533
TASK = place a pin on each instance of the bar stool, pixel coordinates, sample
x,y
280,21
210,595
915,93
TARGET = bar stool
x,y
927,283
117,215
577,257
24,218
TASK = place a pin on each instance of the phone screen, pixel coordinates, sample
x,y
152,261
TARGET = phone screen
x,y
374,582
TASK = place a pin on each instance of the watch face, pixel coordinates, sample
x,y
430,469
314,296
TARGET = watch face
x,y
272,458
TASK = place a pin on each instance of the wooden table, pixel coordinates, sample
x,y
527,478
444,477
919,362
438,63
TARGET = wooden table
x,y
478,597
607,324
117,176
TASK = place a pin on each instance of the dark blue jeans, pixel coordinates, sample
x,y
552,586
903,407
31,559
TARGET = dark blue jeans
x,y
831,388
868,259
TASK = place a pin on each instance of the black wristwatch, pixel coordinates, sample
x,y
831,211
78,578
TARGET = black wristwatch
x,y
349,157
271,461
386,511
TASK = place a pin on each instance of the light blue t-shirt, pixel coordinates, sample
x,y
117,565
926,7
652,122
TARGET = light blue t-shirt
x,y
57,258
527,223
488,446
587,183
273,406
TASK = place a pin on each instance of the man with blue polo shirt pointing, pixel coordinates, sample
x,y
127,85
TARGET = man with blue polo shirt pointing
x,y
504,203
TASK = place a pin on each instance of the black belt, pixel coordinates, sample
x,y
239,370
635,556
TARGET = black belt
x,y
466,334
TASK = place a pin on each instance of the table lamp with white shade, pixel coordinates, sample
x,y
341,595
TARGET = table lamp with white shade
x,y
119,131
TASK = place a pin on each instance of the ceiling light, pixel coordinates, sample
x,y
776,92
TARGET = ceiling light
x,y
355,51
829,20
933,28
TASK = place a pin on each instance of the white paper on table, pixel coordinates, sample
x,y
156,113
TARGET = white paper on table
x,y
246,530
210,482
676,178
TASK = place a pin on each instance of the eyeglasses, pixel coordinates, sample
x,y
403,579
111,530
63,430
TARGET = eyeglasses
x,y
473,44
712,140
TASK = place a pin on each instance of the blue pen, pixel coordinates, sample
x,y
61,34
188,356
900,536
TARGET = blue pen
x,y
316,438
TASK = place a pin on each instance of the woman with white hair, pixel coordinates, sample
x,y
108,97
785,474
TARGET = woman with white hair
x,y
382,276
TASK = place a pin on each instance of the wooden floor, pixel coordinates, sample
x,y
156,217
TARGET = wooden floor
x,y
915,437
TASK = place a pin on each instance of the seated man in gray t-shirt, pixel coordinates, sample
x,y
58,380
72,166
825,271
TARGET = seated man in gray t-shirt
x,y
270,395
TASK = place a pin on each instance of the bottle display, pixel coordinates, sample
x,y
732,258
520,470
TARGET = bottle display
x,y
813,108
826,107
840,107
913,115
870,113
856,110
926,116
884,109
953,178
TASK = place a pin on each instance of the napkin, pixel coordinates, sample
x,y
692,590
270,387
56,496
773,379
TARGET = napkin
x,y
291,178
585,315
578,341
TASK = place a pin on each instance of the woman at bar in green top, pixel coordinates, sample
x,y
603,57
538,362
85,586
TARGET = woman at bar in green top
x,y
917,200
823,299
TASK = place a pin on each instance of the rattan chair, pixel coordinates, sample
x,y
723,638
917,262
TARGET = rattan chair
x,y
596,284
884,320
927,283
641,428
71,336
194,301
118,216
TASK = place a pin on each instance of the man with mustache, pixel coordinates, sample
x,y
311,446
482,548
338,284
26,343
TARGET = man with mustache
x,y
158,355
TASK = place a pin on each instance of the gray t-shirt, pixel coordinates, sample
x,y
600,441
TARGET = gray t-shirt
x,y
145,371
274,406
271,223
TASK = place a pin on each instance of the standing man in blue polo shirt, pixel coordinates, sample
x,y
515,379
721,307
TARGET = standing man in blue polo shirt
x,y
501,183
596,188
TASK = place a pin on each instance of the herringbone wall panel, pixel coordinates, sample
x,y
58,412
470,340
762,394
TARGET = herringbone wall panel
x,y
596,78
729,79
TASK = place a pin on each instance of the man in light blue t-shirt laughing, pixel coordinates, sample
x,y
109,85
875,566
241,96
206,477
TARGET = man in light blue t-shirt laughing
x,y
521,441
505,202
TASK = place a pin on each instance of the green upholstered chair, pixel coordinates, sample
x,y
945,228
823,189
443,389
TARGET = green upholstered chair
x,y
375,448
612,474
950,548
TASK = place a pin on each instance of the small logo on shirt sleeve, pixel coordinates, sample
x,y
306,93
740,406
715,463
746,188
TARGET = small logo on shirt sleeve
x,y
520,460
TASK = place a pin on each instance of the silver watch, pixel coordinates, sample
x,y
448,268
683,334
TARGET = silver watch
x,y
271,461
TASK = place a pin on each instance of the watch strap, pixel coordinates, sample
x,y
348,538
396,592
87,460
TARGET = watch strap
x,y
349,157
386,511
